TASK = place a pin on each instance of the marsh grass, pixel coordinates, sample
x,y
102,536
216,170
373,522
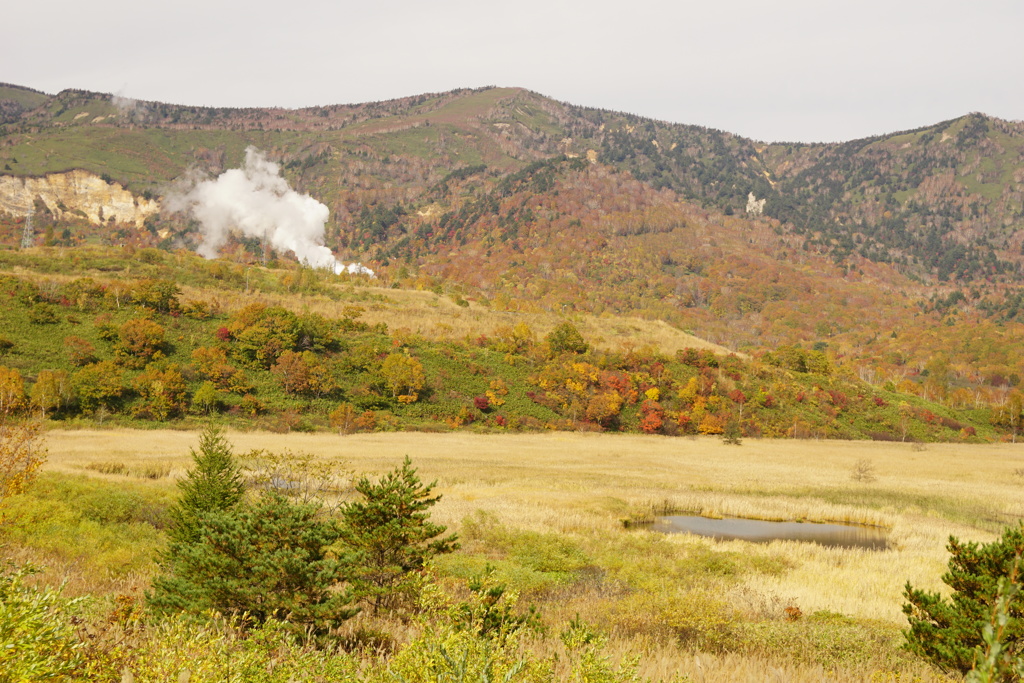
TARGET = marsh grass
x,y
142,471
546,512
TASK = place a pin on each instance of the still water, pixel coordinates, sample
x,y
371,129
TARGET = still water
x,y
759,531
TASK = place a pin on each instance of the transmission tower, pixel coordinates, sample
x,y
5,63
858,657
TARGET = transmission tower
x,y
28,235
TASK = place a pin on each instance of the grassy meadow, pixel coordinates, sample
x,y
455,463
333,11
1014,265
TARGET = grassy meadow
x,y
547,511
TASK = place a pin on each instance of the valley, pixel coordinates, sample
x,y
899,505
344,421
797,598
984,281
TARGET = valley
x,y
573,321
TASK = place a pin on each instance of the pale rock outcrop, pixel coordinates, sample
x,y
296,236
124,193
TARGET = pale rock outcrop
x,y
755,206
66,194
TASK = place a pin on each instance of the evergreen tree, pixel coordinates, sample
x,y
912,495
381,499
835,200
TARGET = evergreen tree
x,y
390,536
268,560
951,633
213,484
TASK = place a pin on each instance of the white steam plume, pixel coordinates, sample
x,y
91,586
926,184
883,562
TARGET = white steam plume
x,y
257,202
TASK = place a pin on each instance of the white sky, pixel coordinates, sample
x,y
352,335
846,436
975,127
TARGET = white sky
x,y
799,70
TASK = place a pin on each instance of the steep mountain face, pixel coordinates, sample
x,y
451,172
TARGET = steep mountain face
x,y
943,203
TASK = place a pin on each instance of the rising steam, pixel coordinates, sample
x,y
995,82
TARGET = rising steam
x,y
256,201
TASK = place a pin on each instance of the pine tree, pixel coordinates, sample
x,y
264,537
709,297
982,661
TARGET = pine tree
x,y
951,633
390,537
213,484
268,560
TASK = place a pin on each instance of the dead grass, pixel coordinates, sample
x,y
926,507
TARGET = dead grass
x,y
588,483
436,317
582,486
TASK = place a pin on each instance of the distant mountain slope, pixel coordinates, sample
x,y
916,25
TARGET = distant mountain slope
x,y
944,201
511,198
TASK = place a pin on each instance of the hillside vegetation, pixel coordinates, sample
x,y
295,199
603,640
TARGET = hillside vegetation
x,y
114,338
895,256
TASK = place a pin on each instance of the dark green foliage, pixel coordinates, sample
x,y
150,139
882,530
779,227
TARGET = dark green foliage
x,y
948,632
266,561
214,484
260,561
566,339
390,537
732,436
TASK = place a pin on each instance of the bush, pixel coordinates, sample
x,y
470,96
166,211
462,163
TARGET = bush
x,y
258,562
37,640
268,560
138,341
565,338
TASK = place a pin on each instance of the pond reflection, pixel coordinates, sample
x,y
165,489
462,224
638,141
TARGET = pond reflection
x,y
760,531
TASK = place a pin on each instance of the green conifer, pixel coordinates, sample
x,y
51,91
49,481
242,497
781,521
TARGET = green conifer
x,y
951,633
390,537
268,560
213,484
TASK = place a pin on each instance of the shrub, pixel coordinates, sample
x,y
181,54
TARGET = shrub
x,y
138,341
565,338
12,390
97,385
268,560
304,373
21,456
37,639
161,392
207,398
80,351
42,314
51,391
403,376
260,334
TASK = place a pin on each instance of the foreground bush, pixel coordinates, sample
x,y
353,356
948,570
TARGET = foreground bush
x,y
37,640
257,561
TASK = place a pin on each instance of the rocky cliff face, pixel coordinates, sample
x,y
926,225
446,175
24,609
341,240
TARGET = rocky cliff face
x,y
75,193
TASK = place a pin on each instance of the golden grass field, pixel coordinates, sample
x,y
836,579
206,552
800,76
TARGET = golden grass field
x,y
584,485
437,317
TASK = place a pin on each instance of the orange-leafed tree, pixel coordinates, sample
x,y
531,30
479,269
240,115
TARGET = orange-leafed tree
x,y
652,417
139,341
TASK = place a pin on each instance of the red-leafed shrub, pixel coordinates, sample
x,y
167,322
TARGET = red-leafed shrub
x,y
652,417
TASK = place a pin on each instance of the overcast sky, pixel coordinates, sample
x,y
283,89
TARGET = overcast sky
x,y
799,70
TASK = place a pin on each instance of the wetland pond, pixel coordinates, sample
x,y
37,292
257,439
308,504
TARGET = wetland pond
x,y
760,531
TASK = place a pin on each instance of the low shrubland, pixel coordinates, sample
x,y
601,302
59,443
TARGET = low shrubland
x,y
172,339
